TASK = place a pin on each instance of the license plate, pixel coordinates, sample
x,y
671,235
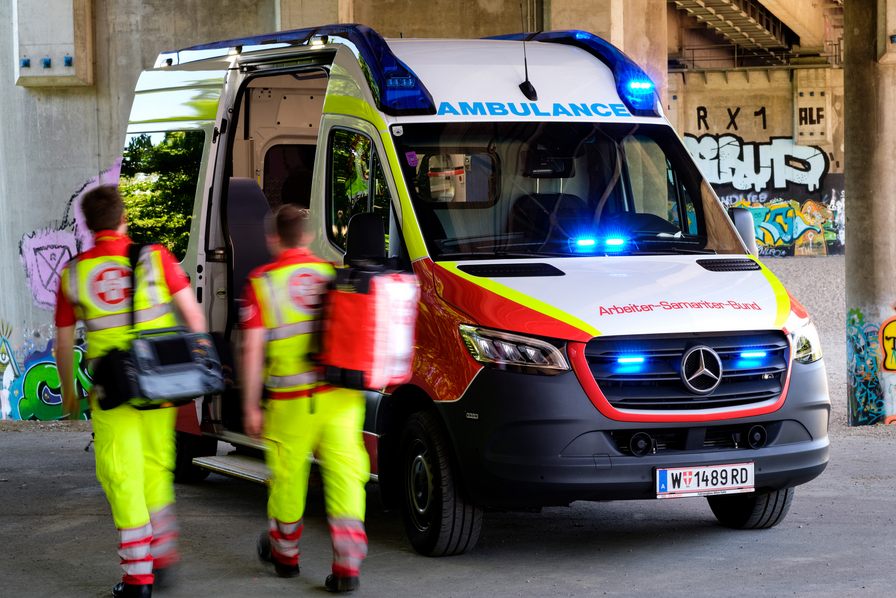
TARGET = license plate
x,y
680,482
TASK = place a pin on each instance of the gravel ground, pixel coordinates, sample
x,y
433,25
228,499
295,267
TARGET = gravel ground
x,y
818,283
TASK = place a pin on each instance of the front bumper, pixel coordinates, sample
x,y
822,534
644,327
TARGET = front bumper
x,y
531,441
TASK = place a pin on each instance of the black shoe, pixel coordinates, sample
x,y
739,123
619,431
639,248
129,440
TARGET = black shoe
x,y
126,590
265,554
341,584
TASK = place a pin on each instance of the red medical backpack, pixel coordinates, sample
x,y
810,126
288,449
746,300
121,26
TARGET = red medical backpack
x,y
368,337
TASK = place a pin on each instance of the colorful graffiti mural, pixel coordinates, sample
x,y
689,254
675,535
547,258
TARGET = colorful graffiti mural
x,y
10,370
865,395
797,205
33,391
30,381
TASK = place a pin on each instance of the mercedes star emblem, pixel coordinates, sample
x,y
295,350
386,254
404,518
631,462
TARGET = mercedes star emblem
x,y
701,370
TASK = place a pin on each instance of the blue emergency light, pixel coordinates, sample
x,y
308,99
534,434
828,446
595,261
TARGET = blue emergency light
x,y
753,354
641,100
396,89
630,360
586,242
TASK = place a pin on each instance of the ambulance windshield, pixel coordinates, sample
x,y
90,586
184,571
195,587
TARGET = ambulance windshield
x,y
526,189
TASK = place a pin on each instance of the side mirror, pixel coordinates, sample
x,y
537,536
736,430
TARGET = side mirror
x,y
365,240
743,222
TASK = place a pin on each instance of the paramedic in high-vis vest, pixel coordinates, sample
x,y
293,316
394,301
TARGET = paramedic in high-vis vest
x,y
280,319
134,449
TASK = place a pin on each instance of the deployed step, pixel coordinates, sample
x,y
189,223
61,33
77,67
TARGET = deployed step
x,y
238,466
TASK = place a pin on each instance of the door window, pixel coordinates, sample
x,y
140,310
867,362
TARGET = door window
x,y
159,176
353,189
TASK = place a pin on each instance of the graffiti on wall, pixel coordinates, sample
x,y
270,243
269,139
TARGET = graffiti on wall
x,y
33,391
863,382
45,252
30,381
797,205
10,370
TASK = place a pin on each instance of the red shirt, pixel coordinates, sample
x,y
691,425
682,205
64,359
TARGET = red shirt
x,y
250,313
109,242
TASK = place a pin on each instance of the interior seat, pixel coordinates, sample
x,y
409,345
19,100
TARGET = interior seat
x,y
246,208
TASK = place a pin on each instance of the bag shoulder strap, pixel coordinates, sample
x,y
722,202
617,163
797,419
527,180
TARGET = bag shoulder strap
x,y
134,251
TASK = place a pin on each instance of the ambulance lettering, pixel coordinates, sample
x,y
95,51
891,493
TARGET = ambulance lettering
x,y
532,109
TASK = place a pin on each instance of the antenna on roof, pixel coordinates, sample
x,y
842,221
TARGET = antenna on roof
x,y
526,86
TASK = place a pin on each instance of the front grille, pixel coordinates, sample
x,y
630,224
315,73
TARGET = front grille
x,y
654,381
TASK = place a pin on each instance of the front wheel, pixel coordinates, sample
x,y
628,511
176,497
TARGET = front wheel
x,y
439,517
752,510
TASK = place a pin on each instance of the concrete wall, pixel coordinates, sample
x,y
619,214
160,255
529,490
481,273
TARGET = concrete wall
x,y
56,141
446,18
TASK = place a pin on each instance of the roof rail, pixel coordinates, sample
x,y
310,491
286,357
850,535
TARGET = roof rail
x,y
634,86
395,88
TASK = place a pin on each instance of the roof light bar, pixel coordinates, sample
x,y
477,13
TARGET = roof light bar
x,y
395,88
635,88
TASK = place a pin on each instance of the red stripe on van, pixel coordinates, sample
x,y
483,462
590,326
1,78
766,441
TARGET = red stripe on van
x,y
491,310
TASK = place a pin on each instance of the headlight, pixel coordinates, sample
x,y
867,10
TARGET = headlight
x,y
806,345
514,352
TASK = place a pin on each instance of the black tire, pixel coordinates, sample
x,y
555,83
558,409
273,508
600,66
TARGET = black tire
x,y
439,517
189,446
753,510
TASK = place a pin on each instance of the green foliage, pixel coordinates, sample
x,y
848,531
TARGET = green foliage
x,y
158,184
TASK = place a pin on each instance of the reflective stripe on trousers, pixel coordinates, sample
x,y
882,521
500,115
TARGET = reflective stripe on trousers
x,y
285,540
134,551
165,532
349,546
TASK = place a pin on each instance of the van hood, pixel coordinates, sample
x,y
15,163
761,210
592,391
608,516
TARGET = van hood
x,y
619,295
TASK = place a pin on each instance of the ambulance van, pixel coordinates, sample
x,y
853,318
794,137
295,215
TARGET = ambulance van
x,y
592,325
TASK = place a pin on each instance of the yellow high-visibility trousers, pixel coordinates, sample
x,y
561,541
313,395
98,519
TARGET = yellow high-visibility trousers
x,y
327,424
135,461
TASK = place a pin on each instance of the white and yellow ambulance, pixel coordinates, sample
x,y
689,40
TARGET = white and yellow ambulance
x,y
592,326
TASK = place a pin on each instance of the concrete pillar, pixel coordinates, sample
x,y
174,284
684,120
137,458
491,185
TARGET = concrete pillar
x,y
637,27
870,150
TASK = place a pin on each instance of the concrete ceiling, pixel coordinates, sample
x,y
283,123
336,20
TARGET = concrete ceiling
x,y
759,32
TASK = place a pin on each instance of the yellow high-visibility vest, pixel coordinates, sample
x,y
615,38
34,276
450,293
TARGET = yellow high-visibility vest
x,y
290,299
99,290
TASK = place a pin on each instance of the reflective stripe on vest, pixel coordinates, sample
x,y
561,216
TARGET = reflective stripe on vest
x,y
141,316
290,330
303,379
